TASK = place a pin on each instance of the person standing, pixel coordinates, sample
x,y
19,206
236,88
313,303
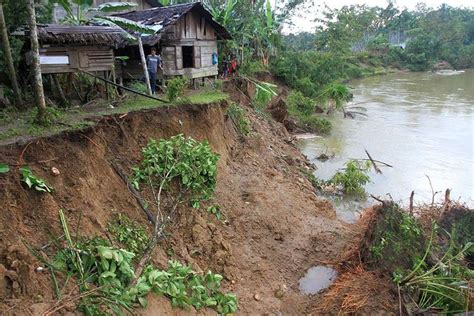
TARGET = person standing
x,y
153,63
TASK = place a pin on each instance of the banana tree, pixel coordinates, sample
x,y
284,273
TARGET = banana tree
x,y
80,12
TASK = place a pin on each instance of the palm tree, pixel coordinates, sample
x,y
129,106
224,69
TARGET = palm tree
x,y
9,59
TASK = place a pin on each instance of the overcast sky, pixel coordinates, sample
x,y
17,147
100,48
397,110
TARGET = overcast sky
x,y
304,21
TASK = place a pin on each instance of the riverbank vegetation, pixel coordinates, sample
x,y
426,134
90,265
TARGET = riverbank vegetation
x,y
359,41
428,255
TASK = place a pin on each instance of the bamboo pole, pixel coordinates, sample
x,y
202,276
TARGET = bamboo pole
x,y
145,70
9,58
123,87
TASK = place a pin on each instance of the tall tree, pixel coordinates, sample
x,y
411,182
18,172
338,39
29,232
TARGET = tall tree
x,y
9,59
35,64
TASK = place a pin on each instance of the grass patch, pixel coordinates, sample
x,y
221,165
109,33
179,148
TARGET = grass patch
x,y
14,123
237,115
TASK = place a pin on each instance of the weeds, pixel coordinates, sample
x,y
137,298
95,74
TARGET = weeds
x,y
34,182
317,183
175,88
52,115
4,168
128,233
397,238
104,273
237,115
353,177
432,274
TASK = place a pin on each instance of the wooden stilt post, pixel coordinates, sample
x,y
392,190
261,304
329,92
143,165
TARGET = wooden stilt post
x,y
62,97
106,85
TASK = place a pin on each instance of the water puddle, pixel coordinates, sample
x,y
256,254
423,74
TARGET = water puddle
x,y
317,279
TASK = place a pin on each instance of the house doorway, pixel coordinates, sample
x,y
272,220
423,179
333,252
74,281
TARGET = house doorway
x,y
188,56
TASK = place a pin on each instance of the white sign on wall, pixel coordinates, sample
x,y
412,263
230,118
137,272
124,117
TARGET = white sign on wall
x,y
54,60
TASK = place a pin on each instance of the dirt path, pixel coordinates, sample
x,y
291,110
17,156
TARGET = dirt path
x,y
275,229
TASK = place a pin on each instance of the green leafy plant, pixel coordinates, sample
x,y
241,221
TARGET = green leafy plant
x,y
302,109
335,94
128,233
444,284
352,178
237,115
299,104
178,169
4,168
34,182
175,88
215,210
104,272
397,238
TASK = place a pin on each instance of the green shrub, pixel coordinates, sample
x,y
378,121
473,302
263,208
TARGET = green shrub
x,y
192,163
353,177
237,115
175,88
299,104
34,182
252,67
315,124
128,233
336,94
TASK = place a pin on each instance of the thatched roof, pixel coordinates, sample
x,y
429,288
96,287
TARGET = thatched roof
x,y
79,35
161,18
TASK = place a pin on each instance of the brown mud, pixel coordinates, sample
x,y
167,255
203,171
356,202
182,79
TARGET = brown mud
x,y
275,226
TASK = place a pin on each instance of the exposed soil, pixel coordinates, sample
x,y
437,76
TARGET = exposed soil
x,y
275,226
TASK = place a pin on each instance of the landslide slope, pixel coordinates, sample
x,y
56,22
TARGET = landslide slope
x,y
275,226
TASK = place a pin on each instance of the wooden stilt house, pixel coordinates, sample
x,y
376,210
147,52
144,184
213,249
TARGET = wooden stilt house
x,y
66,48
186,35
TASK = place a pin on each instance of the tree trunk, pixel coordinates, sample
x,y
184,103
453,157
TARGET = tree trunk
x,y
35,64
145,70
9,59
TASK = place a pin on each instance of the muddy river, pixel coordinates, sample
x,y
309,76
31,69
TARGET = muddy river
x,y
420,123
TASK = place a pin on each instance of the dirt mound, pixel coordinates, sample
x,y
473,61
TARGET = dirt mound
x,y
275,226
279,111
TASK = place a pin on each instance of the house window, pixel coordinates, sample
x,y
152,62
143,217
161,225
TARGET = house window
x,y
188,56
54,60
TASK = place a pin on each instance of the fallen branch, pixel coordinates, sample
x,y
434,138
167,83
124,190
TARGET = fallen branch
x,y
373,162
134,192
433,193
383,163
384,203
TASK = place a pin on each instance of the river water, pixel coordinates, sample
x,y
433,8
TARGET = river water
x,y
420,123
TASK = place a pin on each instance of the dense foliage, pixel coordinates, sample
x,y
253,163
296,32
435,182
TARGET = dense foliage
x,y
193,164
104,275
431,271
